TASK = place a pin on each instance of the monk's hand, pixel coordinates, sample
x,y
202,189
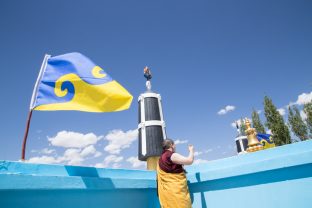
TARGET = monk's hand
x,y
191,148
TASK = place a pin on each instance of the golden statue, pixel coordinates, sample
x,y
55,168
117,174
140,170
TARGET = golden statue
x,y
253,143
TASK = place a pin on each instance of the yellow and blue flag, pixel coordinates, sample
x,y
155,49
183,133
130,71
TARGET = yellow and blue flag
x,y
266,140
73,82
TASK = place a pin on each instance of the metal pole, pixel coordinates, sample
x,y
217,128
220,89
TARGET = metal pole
x,y
152,162
26,135
32,102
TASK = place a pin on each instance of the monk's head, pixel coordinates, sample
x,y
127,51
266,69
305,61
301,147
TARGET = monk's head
x,y
168,144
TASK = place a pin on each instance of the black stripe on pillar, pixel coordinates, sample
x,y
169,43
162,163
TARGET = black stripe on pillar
x,y
151,109
245,143
154,139
140,146
139,112
238,147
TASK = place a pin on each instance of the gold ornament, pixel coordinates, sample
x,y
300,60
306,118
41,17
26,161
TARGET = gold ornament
x,y
253,143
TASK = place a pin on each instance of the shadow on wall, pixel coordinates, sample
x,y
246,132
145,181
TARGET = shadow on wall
x,y
102,192
90,177
202,195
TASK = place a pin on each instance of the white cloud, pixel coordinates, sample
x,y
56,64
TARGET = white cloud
x,y
81,147
178,141
227,109
197,153
135,162
97,154
304,98
118,140
45,151
43,159
259,111
208,150
110,161
72,157
281,111
200,161
89,151
99,165
116,165
70,139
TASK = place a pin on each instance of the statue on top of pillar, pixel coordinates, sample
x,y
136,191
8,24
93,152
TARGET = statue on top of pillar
x,y
148,76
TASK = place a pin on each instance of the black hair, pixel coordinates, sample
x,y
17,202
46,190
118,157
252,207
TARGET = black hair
x,y
167,143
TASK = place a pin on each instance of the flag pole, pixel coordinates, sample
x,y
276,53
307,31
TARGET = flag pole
x,y
26,134
32,103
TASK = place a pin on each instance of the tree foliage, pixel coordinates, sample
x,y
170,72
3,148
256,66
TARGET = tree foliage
x,y
242,127
257,122
308,111
275,122
296,123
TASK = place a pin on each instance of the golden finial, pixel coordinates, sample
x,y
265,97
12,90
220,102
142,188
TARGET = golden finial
x,y
247,123
253,142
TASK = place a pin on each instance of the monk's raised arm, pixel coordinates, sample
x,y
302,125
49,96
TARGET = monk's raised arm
x,y
179,159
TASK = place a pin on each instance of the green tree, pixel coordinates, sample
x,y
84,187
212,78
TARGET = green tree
x,y
242,127
296,123
308,111
257,122
275,122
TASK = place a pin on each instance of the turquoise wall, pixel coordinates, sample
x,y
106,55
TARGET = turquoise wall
x,y
57,186
279,177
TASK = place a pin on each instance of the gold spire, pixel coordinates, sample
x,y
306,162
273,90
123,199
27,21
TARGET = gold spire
x,y
253,142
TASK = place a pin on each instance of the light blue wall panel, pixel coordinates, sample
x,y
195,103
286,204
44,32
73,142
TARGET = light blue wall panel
x,y
279,177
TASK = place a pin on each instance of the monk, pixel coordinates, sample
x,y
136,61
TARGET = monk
x,y
172,186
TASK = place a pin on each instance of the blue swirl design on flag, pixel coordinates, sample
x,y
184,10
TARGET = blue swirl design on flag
x,y
60,66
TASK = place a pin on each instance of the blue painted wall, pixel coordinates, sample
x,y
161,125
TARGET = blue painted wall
x,y
33,185
279,177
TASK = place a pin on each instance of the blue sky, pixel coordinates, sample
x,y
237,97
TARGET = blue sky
x,y
204,55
